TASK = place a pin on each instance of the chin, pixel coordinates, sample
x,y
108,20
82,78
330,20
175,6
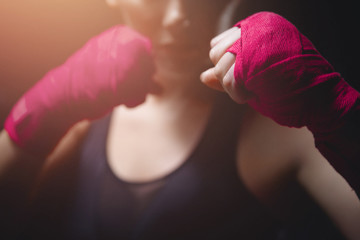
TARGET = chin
x,y
182,66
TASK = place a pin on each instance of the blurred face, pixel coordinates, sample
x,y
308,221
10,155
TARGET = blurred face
x,y
180,30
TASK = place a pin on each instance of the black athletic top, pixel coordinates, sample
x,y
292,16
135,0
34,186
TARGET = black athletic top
x,y
202,199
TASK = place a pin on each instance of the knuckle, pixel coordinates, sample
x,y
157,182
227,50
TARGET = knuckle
x,y
218,71
227,81
214,54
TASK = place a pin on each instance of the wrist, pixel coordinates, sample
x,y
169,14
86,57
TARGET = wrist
x,y
337,105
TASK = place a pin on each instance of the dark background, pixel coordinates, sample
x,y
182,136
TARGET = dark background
x,y
37,35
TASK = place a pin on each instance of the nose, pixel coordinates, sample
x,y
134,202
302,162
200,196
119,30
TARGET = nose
x,y
175,16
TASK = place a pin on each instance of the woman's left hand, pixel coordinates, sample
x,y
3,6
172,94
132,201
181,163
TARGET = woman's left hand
x,y
221,76
266,62
281,75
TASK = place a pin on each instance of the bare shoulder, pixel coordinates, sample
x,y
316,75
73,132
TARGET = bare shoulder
x,y
272,157
269,154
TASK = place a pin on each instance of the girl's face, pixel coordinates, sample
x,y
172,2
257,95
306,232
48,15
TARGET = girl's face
x,y
180,30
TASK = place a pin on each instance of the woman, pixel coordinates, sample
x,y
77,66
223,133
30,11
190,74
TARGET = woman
x,y
186,163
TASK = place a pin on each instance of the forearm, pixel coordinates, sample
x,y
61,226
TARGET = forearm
x,y
11,154
18,171
16,165
341,147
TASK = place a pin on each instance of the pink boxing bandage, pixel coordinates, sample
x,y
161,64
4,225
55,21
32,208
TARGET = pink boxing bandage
x,y
295,86
113,68
288,76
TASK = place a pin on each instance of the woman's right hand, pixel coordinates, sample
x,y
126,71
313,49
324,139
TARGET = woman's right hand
x,y
113,68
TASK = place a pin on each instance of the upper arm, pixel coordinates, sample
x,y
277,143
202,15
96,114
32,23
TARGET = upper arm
x,y
13,157
68,144
271,158
23,173
329,189
22,176
62,154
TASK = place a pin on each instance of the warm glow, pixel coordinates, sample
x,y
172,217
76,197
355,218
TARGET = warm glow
x,y
37,35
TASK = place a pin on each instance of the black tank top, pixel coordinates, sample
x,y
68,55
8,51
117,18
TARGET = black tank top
x,y
202,199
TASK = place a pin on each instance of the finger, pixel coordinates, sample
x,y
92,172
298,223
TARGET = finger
x,y
222,46
214,76
236,90
209,79
219,37
224,64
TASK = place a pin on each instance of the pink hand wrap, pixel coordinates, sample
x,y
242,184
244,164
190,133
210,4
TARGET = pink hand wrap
x,y
295,86
113,68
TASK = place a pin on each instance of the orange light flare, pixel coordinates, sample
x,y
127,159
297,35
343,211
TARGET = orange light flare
x,y
37,35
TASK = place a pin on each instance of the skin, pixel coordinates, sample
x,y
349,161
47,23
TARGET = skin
x,y
177,31
221,76
269,169
175,119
